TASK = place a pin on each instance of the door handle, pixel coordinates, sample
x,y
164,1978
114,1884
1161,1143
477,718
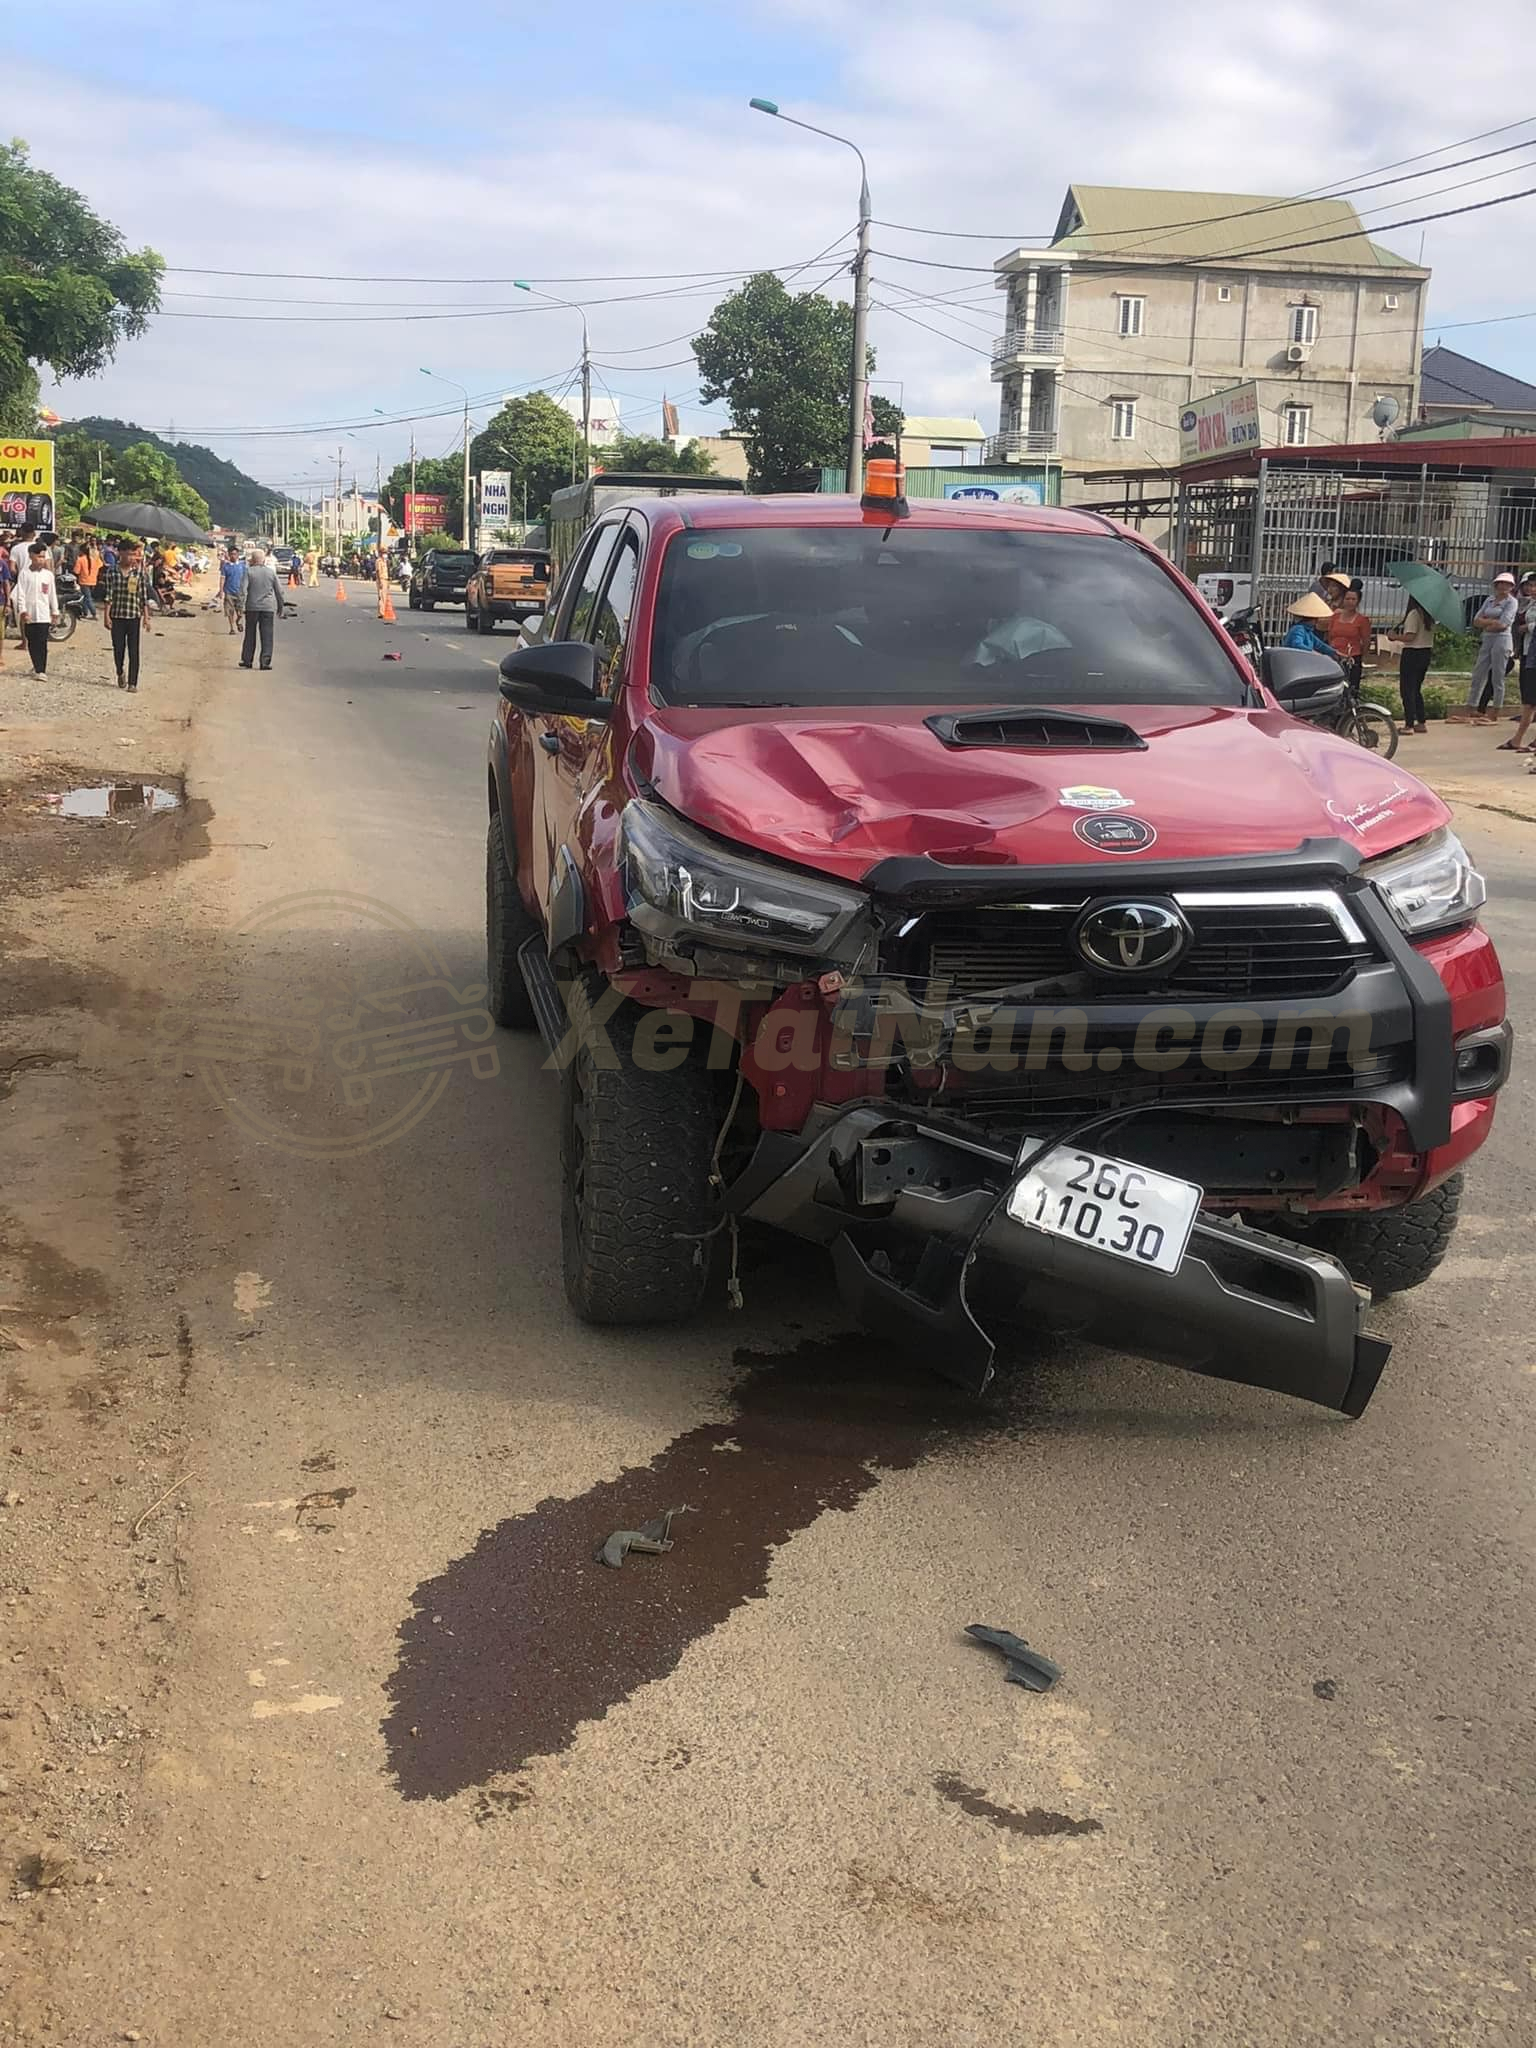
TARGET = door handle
x,y
550,742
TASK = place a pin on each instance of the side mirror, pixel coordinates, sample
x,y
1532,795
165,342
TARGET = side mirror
x,y
558,676
1295,673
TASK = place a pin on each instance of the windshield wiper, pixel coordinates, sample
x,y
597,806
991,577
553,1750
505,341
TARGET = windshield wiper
x,y
1034,725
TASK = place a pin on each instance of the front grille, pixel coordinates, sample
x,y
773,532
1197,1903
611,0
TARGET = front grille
x,y
1007,1104
1241,953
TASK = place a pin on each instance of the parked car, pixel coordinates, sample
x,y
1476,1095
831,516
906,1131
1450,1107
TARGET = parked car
x,y
508,583
440,577
940,885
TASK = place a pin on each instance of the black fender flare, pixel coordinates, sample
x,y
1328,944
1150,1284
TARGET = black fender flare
x,y
567,903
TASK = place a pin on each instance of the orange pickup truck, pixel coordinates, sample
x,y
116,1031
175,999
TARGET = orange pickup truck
x,y
509,583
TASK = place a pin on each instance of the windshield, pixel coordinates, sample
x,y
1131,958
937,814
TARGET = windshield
x,y
913,615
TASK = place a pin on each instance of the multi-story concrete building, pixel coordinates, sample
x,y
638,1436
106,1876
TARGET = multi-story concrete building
x,y
1147,300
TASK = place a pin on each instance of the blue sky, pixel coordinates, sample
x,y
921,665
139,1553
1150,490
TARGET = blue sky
x,y
503,141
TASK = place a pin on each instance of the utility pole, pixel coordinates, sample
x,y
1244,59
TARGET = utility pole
x,y
586,371
859,397
339,453
859,380
410,524
469,528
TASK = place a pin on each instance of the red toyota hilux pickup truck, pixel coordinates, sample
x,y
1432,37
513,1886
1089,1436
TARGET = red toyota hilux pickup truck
x,y
939,884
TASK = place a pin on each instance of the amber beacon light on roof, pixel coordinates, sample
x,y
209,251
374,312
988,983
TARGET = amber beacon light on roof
x,y
885,488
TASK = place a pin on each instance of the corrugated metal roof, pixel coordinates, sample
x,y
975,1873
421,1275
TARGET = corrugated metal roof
x,y
928,427
1126,220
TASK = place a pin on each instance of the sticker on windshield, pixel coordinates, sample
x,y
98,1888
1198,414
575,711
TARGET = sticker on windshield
x,y
712,550
1115,835
1088,796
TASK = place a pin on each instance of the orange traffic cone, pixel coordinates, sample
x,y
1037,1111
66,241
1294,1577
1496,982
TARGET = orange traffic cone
x,y
341,590
388,612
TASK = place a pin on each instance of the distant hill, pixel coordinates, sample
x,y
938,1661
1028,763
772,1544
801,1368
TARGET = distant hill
x,y
234,499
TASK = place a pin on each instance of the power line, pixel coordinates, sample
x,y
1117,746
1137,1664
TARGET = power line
x,y
1324,191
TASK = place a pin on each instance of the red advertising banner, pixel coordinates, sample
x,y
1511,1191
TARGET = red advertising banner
x,y
425,512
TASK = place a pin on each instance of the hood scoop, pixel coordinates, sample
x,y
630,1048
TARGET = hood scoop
x,y
1035,727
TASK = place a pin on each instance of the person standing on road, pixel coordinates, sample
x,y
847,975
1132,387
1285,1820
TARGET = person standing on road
x,y
124,610
87,574
381,579
1415,639
312,567
263,602
37,604
1496,623
1349,635
25,535
232,588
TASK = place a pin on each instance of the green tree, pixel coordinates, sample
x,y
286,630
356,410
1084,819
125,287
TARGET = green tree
x,y
782,362
439,475
70,289
640,454
145,472
888,419
536,442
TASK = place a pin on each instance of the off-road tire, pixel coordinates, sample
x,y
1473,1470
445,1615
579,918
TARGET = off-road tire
x,y
507,927
428,604
413,601
638,1218
1391,1250
485,621
471,621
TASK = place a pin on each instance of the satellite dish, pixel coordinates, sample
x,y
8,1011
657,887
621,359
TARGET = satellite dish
x,y
1384,412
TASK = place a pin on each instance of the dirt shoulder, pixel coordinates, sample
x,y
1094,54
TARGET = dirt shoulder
x,y
94,1344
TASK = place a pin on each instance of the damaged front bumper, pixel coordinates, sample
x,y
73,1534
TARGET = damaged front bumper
x,y
914,1215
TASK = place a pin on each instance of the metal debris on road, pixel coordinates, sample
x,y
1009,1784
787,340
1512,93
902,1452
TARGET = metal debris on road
x,y
1026,1667
652,1539
391,657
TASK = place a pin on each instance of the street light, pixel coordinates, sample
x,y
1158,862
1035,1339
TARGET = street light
x,y
859,391
586,363
459,387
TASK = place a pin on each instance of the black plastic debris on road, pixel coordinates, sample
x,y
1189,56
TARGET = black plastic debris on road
x,y
651,1539
1026,1667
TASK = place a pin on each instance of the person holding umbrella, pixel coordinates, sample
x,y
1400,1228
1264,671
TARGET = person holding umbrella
x,y
1415,639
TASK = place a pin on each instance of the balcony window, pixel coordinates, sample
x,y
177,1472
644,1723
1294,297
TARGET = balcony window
x,y
1132,315
1122,418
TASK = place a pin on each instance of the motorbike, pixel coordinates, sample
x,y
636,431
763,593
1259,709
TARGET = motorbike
x,y
1370,726
71,607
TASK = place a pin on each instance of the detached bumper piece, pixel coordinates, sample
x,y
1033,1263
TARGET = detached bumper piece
x,y
1244,1305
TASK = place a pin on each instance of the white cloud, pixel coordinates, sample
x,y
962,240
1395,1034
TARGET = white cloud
x,y
977,120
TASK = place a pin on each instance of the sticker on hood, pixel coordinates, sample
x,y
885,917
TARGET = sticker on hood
x,y
1088,796
1115,835
1375,811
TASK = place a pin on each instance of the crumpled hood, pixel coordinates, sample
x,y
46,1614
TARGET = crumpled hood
x,y
841,791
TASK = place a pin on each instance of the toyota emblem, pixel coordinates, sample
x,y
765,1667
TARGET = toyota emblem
x,y
1131,938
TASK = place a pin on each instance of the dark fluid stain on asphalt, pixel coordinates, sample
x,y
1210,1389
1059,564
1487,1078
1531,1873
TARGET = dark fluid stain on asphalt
x,y
524,1638
1036,1820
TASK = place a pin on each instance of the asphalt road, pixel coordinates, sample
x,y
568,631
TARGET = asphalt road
x,y
432,1774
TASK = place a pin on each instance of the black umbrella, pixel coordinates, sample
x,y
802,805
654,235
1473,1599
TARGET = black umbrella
x,y
157,521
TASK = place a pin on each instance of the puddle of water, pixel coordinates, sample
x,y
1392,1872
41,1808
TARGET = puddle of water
x,y
124,800
517,1643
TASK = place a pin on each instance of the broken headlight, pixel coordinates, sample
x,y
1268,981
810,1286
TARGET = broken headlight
x,y
674,875
1429,885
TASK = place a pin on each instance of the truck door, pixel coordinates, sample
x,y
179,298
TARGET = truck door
x,y
563,744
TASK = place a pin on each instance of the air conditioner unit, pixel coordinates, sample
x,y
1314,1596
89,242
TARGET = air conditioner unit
x,y
1299,352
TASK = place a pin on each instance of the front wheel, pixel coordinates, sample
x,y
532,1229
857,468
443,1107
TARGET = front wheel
x,y
1373,727
486,621
62,626
638,1214
508,927
1391,1250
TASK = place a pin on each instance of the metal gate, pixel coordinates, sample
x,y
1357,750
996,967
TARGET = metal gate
x,y
1468,527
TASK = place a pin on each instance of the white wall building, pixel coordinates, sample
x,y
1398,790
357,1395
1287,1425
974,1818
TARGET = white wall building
x,y
1146,300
